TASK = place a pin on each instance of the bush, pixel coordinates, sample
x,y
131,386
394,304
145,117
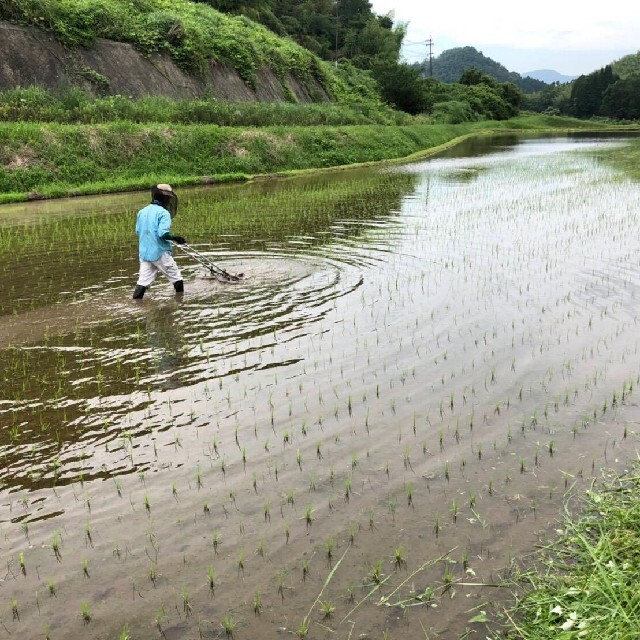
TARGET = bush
x,y
452,112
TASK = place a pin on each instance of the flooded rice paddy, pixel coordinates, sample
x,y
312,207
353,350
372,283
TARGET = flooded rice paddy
x,y
356,441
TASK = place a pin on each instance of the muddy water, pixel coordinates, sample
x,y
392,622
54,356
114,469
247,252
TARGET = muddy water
x,y
362,435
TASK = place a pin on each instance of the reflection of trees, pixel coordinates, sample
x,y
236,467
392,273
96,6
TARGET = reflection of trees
x,y
481,145
271,211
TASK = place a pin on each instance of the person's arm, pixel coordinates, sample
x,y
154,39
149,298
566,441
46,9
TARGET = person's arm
x,y
177,239
164,224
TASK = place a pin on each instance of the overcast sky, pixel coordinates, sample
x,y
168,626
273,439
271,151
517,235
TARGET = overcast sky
x,y
565,35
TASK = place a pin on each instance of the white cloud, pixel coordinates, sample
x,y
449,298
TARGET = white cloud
x,y
543,26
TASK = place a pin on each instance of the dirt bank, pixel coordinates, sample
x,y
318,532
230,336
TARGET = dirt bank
x,y
29,56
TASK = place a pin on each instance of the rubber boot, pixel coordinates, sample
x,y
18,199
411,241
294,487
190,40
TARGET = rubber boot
x,y
179,286
139,292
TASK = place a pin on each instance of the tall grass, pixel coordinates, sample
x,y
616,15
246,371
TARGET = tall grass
x,y
75,106
586,585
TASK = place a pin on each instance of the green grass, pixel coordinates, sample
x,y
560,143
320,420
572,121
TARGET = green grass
x,y
75,106
586,583
57,160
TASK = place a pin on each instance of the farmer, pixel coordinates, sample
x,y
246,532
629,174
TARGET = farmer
x,y
152,228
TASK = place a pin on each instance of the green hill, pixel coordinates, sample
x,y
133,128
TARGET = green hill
x,y
452,63
627,67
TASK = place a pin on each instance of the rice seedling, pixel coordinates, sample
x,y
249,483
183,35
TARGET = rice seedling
x,y
376,574
347,489
228,624
409,488
85,612
305,569
303,629
55,545
399,558
187,606
407,459
372,523
454,510
282,574
465,559
215,540
257,603
327,609
330,546
308,515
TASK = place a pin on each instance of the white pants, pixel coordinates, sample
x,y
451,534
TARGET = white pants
x,y
164,264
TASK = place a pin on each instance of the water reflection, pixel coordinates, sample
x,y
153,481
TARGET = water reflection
x,y
467,241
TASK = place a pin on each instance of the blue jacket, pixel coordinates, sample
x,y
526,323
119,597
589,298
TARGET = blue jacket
x,y
152,223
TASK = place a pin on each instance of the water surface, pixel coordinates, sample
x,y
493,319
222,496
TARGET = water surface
x,y
421,357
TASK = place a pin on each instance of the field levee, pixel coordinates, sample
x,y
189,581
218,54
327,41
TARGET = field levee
x,y
52,160
48,160
29,56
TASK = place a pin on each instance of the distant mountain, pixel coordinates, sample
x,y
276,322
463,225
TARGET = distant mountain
x,y
548,75
451,64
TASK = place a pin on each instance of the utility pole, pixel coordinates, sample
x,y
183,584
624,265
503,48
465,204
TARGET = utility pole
x,y
429,44
337,22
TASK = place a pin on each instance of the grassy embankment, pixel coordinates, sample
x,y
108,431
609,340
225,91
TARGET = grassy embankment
x,y
585,584
55,160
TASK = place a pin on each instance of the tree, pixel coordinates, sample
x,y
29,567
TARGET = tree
x,y
622,99
587,92
452,112
493,105
403,87
471,76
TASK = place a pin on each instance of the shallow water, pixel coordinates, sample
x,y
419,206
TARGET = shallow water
x,y
421,358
